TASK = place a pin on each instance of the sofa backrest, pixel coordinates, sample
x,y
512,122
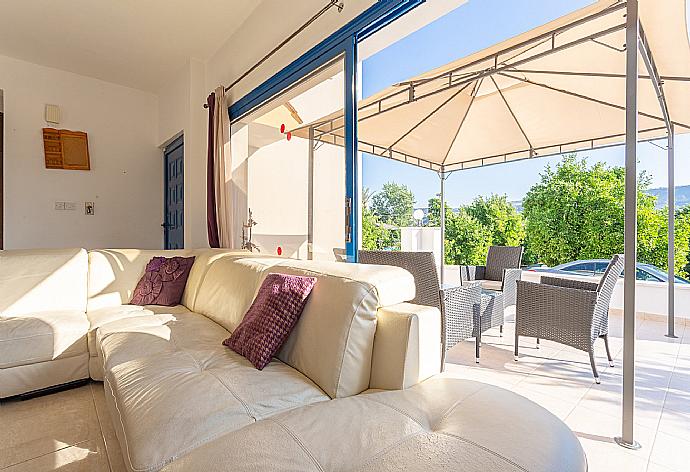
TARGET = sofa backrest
x,y
42,280
333,341
114,273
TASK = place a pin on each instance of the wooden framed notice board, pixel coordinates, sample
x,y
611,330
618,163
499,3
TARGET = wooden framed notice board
x,y
64,149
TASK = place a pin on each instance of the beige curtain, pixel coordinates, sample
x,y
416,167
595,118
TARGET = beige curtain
x,y
222,177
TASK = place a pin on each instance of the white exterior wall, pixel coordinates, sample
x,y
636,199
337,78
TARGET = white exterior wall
x,y
126,176
422,239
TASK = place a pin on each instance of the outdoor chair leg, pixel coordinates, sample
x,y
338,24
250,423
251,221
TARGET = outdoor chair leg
x,y
500,331
517,339
538,343
594,367
477,345
608,351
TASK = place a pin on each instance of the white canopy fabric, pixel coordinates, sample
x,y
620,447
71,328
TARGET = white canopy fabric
x,y
557,88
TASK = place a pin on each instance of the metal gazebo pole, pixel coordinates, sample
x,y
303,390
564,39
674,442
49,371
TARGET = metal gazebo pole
x,y
671,235
442,175
657,83
627,438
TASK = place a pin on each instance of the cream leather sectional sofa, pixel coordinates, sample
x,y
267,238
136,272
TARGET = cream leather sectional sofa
x,y
348,376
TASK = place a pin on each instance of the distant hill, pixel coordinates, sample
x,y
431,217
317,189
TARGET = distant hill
x,y
661,194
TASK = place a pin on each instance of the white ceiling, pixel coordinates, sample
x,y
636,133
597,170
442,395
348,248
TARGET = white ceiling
x,y
131,42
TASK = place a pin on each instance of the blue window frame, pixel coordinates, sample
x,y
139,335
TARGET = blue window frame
x,y
342,43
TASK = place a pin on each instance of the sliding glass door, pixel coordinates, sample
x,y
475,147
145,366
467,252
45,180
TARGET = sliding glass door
x,y
298,181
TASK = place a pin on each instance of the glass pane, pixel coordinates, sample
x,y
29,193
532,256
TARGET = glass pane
x,y
295,181
582,267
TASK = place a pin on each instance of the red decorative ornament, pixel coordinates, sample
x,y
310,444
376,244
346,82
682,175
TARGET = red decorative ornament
x,y
279,251
282,128
289,136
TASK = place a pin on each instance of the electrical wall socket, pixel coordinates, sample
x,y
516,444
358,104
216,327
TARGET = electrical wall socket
x,y
70,206
89,208
59,205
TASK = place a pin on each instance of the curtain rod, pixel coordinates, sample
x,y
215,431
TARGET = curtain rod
x,y
332,3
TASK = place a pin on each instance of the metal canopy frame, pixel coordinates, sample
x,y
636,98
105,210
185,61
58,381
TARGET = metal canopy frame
x,y
331,131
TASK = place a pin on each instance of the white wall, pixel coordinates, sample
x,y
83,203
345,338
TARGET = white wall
x,y
125,180
181,112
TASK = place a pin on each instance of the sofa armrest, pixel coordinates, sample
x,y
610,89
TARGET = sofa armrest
x,y
407,346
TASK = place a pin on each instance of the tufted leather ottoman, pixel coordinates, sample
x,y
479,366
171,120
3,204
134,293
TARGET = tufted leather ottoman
x,y
438,425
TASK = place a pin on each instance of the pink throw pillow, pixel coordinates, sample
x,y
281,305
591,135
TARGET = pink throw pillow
x,y
271,317
163,282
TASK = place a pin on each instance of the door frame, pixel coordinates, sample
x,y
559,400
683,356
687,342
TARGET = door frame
x,y
176,143
341,43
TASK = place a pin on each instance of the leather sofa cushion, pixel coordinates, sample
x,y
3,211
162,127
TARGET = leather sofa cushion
x,y
101,316
40,280
42,336
441,424
169,374
332,343
270,319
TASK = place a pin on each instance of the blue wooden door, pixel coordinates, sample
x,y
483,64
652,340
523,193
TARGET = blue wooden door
x,y
174,195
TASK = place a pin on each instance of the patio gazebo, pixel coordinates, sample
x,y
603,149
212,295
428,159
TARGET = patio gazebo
x,y
611,73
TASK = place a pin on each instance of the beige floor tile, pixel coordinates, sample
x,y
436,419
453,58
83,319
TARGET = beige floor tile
x,y
607,398
603,455
45,424
672,452
112,445
86,456
680,380
678,400
602,428
675,423
558,406
652,467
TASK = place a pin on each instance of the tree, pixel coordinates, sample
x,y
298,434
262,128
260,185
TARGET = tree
x,y
653,247
467,241
374,233
500,217
577,211
394,204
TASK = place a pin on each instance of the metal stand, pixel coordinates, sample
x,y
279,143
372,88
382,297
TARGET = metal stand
x,y
634,445
631,69
671,236
442,176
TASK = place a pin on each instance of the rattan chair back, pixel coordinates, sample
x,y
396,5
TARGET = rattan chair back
x,y
421,265
500,258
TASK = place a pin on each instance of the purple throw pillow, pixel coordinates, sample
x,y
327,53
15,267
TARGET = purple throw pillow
x,y
271,317
163,282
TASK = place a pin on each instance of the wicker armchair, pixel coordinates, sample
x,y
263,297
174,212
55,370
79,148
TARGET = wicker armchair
x,y
501,272
570,312
421,265
465,312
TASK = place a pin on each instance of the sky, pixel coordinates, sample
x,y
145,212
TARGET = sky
x,y
474,26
